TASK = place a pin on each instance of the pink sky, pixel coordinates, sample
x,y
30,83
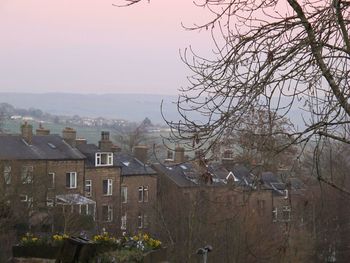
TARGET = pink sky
x,y
93,47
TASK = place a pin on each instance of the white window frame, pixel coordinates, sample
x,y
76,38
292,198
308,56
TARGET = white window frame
x,y
274,214
7,174
23,198
109,213
143,194
109,187
99,159
51,180
49,202
123,222
88,185
124,194
73,180
87,210
140,221
145,220
27,170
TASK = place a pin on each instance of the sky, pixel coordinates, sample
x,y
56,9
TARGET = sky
x,y
94,47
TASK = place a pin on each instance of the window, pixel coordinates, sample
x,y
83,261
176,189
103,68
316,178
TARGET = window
x,y
7,174
49,202
143,193
51,180
104,159
274,214
124,194
123,222
27,174
107,186
107,213
140,221
145,221
88,210
26,199
71,180
88,188
286,213
261,207
23,198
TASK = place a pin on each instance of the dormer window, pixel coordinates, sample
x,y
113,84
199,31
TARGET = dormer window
x,y
104,159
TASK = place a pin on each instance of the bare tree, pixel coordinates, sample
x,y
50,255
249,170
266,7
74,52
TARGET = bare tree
x,y
274,55
259,140
271,54
135,136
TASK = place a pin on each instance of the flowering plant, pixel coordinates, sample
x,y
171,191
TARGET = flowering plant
x,y
106,239
144,242
58,239
30,240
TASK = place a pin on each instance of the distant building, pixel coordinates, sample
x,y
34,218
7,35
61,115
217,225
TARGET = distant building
x,y
205,204
123,187
35,168
41,171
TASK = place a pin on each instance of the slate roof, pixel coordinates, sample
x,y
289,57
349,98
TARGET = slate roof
x,y
176,174
243,174
43,147
132,166
89,151
187,175
129,165
279,184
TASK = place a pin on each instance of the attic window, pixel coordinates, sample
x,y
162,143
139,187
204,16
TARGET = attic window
x,y
126,163
104,159
51,145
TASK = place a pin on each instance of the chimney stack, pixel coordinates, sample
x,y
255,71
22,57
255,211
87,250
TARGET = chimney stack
x,y
42,131
140,152
80,141
70,136
27,132
179,154
105,144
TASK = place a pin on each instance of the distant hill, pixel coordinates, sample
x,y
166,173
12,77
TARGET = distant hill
x,y
132,107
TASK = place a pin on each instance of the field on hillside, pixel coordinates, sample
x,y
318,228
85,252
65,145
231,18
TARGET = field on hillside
x,y
92,134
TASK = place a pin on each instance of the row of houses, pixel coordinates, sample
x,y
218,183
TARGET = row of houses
x,y
174,199
44,170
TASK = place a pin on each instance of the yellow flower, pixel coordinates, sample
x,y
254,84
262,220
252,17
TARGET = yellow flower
x,y
145,237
